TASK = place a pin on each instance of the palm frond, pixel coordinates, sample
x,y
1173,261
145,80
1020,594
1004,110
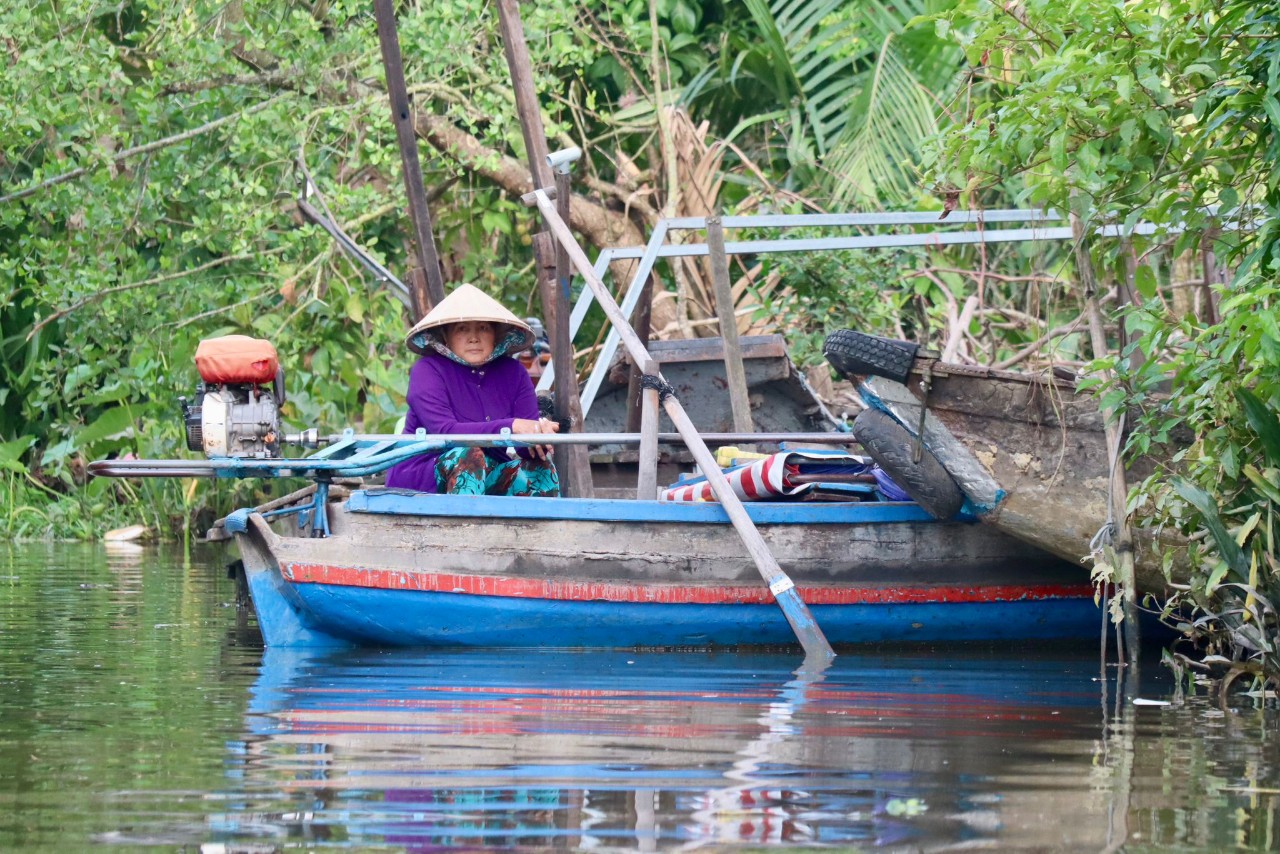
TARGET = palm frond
x,y
806,46
872,160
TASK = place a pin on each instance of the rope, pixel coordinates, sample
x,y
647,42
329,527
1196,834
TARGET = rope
x,y
1106,534
1104,540
1103,537
658,384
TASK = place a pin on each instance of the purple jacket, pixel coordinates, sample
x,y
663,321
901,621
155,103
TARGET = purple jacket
x,y
447,397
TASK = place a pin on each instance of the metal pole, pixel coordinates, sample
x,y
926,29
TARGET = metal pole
x,y
402,118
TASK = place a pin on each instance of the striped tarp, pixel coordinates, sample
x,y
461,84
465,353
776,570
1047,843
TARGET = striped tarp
x,y
771,477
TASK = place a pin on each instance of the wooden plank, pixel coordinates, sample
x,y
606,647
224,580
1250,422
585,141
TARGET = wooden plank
x,y
647,483
712,349
656,542
739,402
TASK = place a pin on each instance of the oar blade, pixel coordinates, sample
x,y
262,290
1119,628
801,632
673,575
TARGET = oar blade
x,y
804,625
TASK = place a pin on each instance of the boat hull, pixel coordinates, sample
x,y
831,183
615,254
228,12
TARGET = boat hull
x,y
424,570
1030,455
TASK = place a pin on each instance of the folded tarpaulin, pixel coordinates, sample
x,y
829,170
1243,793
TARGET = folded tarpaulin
x,y
784,474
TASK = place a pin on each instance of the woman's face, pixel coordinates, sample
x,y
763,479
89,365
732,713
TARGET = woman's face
x,y
472,340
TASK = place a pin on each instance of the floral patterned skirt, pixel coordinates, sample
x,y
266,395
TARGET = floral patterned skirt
x,y
470,471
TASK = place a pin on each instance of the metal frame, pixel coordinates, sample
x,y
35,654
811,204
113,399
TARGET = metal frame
x,y
352,454
657,248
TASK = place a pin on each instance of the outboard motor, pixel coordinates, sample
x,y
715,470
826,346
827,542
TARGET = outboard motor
x,y
234,413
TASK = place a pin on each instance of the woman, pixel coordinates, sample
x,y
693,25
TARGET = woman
x,y
467,381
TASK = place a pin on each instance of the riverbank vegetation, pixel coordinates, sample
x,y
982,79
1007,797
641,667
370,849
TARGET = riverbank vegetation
x,y
149,166
1169,113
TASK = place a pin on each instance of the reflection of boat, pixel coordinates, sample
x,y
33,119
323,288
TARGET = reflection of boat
x,y
628,749
1029,452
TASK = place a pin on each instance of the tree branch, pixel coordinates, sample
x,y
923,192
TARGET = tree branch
x,y
135,151
600,225
167,277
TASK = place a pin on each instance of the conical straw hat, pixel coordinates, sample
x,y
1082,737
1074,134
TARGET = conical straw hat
x,y
467,302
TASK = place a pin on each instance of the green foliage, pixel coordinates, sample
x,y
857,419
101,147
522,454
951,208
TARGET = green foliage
x,y
147,167
1163,111
837,290
835,97
110,278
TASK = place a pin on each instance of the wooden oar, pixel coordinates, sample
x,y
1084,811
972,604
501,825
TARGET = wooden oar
x,y
780,585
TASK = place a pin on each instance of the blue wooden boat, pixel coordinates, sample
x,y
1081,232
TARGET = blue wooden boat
x,y
394,568
428,570
335,566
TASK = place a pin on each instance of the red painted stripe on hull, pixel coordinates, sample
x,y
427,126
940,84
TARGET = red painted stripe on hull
x,y
666,594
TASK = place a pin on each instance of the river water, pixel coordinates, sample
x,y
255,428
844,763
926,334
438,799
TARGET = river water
x,y
138,711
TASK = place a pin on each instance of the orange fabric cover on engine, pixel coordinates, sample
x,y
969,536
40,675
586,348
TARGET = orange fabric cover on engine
x,y
236,359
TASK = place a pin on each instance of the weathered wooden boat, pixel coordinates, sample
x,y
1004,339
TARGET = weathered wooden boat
x,y
395,568
1027,454
386,567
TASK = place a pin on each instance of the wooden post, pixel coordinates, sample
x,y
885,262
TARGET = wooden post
x,y
806,629
402,118
568,403
561,346
574,465
1118,487
647,483
419,294
643,313
575,468
739,399
563,271
520,68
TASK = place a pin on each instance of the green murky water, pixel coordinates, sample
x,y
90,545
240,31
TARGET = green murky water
x,y
138,711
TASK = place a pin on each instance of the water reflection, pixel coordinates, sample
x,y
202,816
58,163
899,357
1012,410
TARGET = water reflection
x,y
652,750
138,710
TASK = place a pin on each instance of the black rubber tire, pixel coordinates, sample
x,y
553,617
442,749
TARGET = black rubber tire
x,y
891,445
858,354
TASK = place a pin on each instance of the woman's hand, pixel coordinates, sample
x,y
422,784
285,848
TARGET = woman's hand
x,y
542,425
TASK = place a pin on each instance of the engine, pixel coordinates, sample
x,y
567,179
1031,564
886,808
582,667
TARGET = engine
x,y
236,410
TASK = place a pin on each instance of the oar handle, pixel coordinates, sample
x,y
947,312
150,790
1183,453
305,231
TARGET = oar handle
x,y
780,585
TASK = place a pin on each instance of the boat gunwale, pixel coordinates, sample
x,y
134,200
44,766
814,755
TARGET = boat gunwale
x,y
397,502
